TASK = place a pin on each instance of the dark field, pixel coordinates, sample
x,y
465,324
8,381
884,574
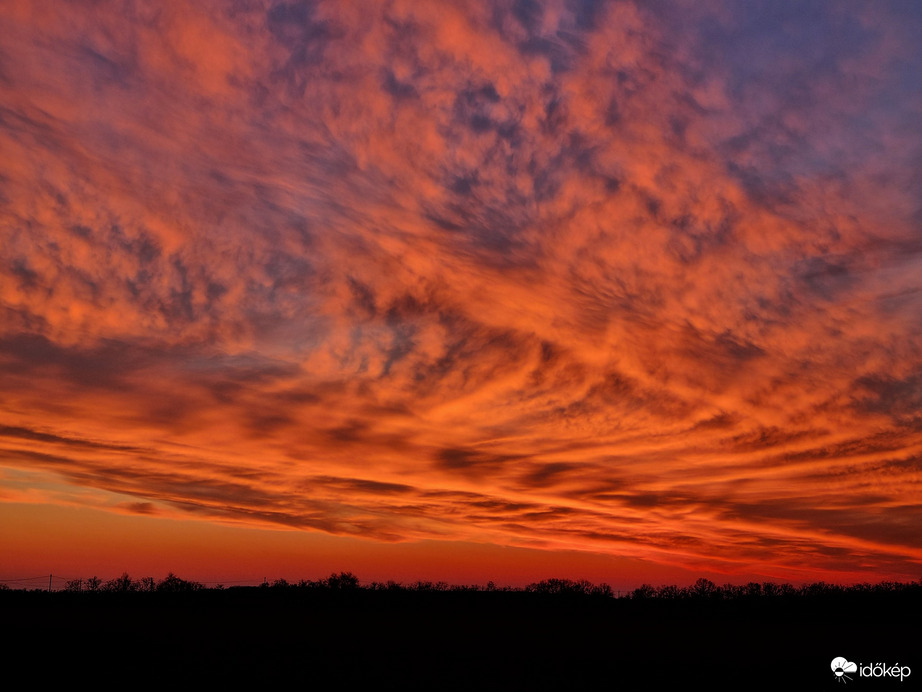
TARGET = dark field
x,y
453,639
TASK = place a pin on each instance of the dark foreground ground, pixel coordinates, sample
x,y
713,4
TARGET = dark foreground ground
x,y
455,640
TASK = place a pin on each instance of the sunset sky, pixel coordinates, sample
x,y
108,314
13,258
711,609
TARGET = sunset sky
x,y
493,290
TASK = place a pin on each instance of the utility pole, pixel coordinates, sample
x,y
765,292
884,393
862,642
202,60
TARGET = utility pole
x,y
49,582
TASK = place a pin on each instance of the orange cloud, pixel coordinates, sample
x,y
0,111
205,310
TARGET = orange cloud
x,y
552,276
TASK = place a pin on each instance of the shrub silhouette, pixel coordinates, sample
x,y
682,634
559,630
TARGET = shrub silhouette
x,y
705,588
670,592
173,584
643,592
568,586
341,581
122,584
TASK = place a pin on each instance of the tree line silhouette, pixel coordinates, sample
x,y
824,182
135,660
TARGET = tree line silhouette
x,y
124,584
702,590
558,633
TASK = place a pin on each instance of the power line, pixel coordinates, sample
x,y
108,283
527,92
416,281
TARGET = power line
x,y
26,581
